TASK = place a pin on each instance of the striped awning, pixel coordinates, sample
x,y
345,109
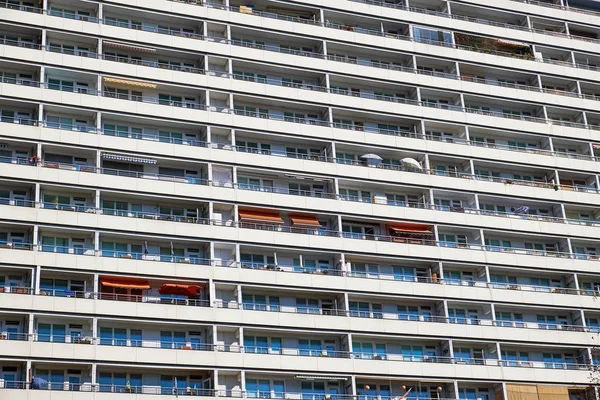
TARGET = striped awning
x,y
129,47
410,228
130,82
260,216
132,159
125,282
306,221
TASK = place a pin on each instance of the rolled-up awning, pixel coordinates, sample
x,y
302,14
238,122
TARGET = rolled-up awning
x,y
129,47
321,377
268,217
306,221
130,82
176,289
512,43
125,283
131,159
411,228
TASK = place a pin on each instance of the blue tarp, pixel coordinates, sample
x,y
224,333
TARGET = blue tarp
x,y
39,383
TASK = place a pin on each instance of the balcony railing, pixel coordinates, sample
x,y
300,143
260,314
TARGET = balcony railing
x,y
335,26
323,232
288,351
400,316
189,180
193,105
308,310
401,6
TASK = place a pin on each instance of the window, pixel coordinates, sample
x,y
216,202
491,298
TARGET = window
x,y
256,344
552,322
172,340
428,35
365,270
55,244
447,240
509,319
60,84
358,231
51,333
258,388
355,195
414,313
307,306
258,184
446,205
55,378
365,310
260,302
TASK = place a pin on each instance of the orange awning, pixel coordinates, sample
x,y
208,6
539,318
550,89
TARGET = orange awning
x,y
309,221
174,288
125,283
260,216
130,82
411,228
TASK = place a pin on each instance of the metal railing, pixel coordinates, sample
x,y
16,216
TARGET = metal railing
x,y
399,316
323,232
269,189
193,105
182,33
400,6
285,351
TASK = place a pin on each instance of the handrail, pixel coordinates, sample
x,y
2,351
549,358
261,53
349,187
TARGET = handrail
x,y
322,232
306,310
185,345
400,316
398,6
339,26
193,180
193,105
343,273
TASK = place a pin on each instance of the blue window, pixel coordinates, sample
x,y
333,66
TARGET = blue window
x,y
105,382
278,389
119,382
135,337
135,383
258,388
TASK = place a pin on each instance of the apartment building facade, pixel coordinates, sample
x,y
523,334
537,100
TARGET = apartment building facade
x,y
327,199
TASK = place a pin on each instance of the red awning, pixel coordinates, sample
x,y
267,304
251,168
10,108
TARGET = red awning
x,y
305,221
411,228
269,217
125,283
184,290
